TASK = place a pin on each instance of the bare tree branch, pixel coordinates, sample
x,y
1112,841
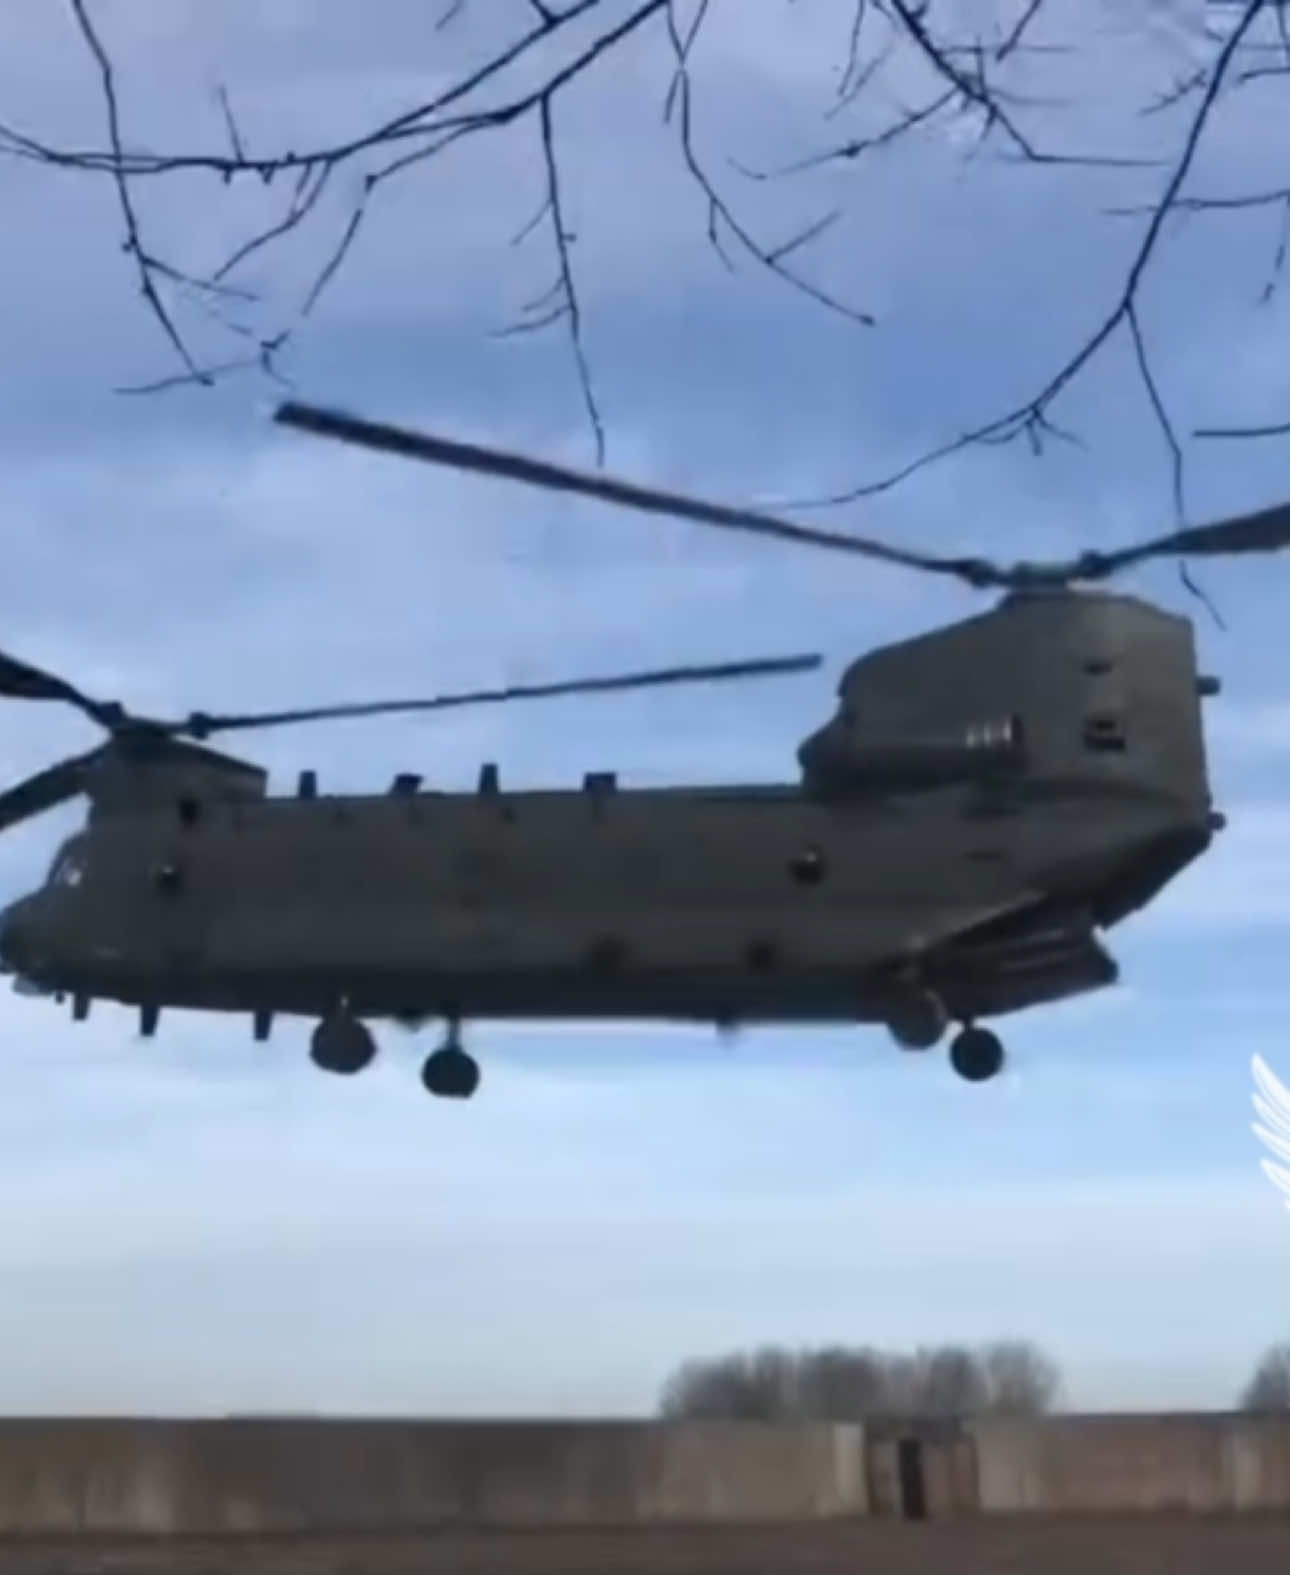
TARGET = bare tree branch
x,y
973,77
412,124
857,145
1183,88
851,71
145,265
1158,407
571,307
720,212
971,87
1021,27
427,125
309,188
1031,419
263,360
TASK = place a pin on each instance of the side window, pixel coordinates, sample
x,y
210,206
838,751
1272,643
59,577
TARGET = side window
x,y
68,868
1104,733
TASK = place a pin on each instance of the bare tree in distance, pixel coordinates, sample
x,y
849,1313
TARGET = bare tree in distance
x,y
1019,1378
1268,1389
741,1388
856,1384
951,1381
971,85
837,1384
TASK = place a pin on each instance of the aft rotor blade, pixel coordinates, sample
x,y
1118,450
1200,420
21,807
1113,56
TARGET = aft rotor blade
x,y
201,725
652,500
46,789
1267,530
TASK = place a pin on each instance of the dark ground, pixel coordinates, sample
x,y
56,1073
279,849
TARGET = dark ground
x,y
1044,1547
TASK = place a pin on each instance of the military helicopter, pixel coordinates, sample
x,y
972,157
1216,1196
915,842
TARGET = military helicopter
x,y
986,799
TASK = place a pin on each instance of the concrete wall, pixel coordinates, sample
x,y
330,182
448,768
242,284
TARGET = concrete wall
x,y
269,1476
1209,1464
202,1478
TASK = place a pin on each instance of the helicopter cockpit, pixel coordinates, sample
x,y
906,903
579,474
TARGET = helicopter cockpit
x,y
30,927
68,866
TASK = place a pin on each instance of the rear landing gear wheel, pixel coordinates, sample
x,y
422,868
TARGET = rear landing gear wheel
x,y
450,1073
976,1054
341,1045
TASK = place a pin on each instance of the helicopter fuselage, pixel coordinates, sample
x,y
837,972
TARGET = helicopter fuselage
x,y
988,797
726,904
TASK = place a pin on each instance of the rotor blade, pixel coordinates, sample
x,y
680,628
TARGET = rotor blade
x,y
46,789
541,473
21,681
201,725
1267,530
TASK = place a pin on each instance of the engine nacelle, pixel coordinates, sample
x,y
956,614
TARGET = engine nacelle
x,y
1082,692
837,759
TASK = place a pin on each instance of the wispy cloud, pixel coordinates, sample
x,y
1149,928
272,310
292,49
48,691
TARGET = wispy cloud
x,y
202,1222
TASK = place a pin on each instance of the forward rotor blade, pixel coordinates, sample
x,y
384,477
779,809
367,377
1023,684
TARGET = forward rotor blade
x,y
47,789
201,725
21,681
651,500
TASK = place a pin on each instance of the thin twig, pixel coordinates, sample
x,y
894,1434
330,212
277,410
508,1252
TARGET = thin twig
x,y
230,125
1014,39
562,240
851,70
1158,407
301,207
857,146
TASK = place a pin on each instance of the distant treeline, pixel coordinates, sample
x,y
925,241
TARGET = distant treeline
x,y
860,1383
856,1384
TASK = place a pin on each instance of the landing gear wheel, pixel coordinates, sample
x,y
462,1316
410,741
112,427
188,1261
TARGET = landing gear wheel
x,y
976,1054
450,1073
341,1045
918,1019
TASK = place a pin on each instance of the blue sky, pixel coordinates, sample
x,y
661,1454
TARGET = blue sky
x,y
202,1224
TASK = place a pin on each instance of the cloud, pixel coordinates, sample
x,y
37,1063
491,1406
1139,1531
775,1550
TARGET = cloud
x,y
202,1222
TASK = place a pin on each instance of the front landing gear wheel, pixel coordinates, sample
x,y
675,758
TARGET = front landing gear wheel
x,y
976,1054
341,1045
918,1020
450,1073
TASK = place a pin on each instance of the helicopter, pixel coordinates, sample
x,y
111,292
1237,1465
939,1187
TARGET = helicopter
x,y
987,800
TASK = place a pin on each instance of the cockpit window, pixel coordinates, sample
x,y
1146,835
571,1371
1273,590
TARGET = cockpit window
x,y
68,868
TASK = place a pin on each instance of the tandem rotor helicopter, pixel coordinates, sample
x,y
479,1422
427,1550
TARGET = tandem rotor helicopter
x,y
985,801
